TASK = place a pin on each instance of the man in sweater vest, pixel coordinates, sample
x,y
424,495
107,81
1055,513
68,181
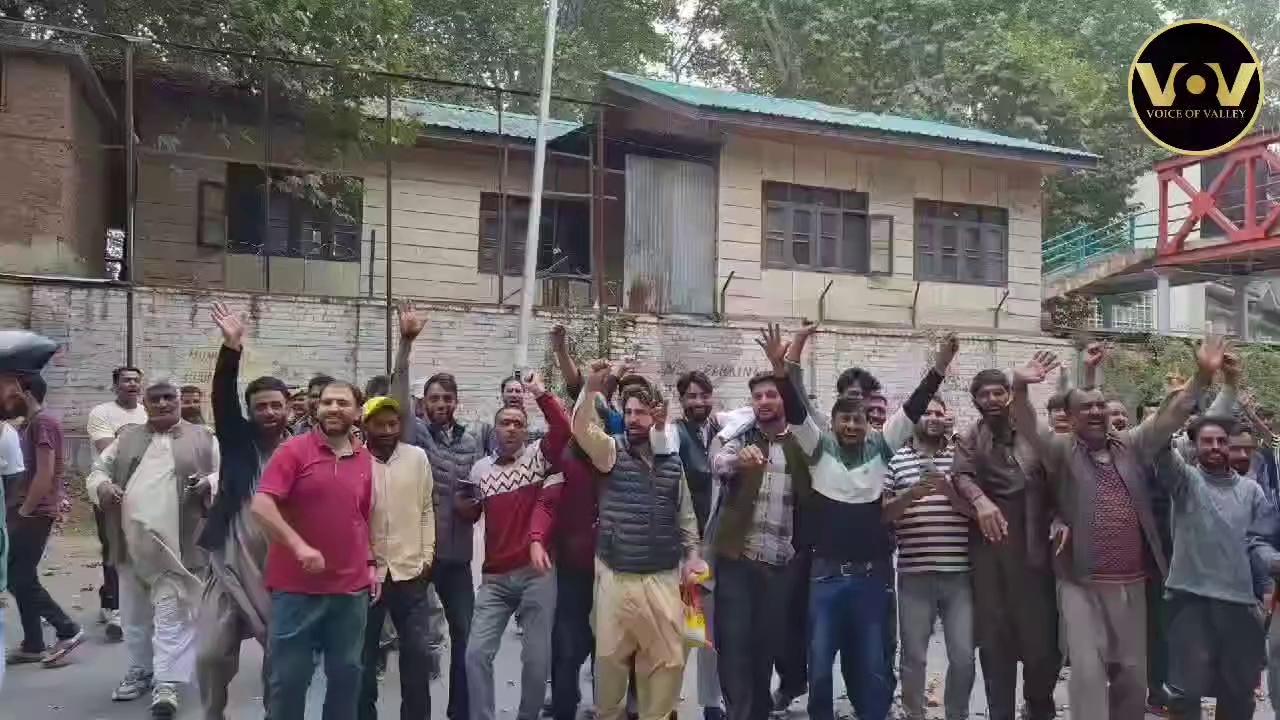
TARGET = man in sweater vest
x,y
1101,494
154,483
647,526
236,605
516,489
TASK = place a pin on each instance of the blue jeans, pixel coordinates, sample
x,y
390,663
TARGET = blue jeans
x,y
847,611
303,626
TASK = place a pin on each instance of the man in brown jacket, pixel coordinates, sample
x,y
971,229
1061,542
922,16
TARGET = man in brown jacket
x,y
1113,544
1015,612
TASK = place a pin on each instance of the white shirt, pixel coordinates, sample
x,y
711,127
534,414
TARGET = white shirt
x,y
105,421
10,451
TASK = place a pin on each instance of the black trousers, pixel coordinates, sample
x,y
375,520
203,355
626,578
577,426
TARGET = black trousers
x,y
572,641
1216,649
1015,619
27,539
792,659
407,602
458,597
753,621
1157,643
109,590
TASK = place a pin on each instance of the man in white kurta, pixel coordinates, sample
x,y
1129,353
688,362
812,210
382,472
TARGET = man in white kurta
x,y
152,483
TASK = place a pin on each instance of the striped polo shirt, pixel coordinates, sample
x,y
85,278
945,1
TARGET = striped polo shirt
x,y
932,535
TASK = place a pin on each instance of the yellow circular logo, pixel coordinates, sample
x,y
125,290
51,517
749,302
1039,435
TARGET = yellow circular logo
x,y
1195,87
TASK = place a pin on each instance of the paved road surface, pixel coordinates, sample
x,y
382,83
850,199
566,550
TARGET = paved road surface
x,y
81,691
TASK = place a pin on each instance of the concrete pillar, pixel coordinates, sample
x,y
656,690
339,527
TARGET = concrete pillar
x,y
1164,309
1241,307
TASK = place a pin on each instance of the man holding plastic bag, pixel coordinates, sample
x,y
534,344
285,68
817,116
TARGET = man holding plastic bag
x,y
647,527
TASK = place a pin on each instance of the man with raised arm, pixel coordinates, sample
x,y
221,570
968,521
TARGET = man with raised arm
x,y
236,605
647,529
845,470
452,448
1113,543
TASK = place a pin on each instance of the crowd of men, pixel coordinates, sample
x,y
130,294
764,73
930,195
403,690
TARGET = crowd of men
x,y
1141,554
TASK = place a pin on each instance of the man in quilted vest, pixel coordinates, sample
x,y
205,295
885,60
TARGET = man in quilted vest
x,y
153,484
647,529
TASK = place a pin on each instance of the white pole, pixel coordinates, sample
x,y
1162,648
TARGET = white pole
x,y
531,239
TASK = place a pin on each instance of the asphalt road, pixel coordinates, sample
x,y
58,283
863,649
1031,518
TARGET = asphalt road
x,y
82,689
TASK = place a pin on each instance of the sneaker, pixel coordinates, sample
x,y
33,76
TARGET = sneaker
x,y
57,655
136,682
115,633
782,702
18,656
103,615
164,702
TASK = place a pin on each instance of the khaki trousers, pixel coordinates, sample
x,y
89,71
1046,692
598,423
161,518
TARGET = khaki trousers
x,y
1105,626
638,622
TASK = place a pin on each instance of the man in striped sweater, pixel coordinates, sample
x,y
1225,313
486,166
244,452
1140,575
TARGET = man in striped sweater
x,y
517,489
933,564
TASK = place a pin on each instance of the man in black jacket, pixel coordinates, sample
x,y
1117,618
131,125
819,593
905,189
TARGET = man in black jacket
x,y
696,429
236,605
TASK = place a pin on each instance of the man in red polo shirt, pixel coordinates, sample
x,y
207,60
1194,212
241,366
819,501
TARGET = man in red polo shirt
x,y
314,502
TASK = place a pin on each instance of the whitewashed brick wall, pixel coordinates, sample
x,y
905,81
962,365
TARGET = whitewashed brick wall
x,y
294,338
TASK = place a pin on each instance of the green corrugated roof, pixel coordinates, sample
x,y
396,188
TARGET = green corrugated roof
x,y
476,120
816,112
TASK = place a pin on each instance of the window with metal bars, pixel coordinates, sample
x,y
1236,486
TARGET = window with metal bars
x,y
961,243
824,230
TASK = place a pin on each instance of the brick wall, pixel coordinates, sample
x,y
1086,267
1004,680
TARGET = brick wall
x,y
294,338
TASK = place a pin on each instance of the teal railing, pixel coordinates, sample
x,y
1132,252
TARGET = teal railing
x,y
1075,249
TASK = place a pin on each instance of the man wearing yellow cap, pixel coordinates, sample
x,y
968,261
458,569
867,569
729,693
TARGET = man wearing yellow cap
x,y
402,530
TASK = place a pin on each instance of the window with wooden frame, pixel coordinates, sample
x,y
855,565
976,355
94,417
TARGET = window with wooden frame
x,y
211,214
824,230
564,239
961,243
316,216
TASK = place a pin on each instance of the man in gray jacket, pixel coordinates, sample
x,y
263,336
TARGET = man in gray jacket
x,y
1112,543
452,449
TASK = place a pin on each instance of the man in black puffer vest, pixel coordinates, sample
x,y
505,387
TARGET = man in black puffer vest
x,y
647,526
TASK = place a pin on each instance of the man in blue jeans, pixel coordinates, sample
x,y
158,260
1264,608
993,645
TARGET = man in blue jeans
x,y
314,502
851,577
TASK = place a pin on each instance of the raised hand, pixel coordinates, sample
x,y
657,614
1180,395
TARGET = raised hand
x,y
557,337
231,325
534,385
799,340
1232,367
659,413
948,347
597,375
1095,353
1210,356
775,349
1036,369
411,323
